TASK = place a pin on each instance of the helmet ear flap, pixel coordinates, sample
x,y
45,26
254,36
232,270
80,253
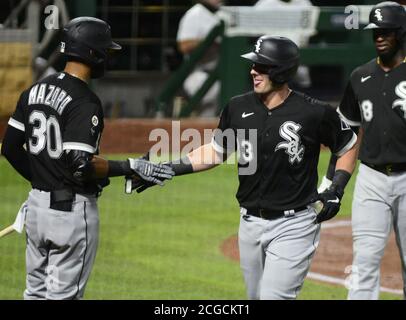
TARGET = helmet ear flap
x,y
284,73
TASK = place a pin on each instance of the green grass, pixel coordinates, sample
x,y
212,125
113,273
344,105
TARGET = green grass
x,y
161,244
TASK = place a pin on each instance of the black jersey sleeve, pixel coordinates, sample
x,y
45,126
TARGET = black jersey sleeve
x,y
17,118
349,107
83,125
13,150
224,138
336,133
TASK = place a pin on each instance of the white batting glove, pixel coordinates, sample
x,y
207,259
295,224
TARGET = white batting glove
x,y
325,183
151,172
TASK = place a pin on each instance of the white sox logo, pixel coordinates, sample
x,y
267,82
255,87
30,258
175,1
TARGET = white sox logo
x,y
258,46
378,14
294,148
400,91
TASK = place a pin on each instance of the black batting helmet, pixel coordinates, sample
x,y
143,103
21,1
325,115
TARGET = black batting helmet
x,y
279,53
388,15
88,40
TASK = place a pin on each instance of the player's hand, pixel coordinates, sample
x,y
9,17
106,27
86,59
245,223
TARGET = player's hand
x,y
136,183
331,200
151,172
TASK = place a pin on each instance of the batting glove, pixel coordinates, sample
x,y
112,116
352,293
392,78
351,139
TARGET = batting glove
x,y
331,200
324,185
135,182
151,172
138,184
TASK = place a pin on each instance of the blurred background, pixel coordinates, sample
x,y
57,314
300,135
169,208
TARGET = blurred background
x,y
180,61
146,78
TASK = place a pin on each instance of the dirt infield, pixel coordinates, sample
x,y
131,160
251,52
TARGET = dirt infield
x,y
334,254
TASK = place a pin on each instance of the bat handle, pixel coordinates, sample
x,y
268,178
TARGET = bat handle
x,y
318,206
6,231
128,186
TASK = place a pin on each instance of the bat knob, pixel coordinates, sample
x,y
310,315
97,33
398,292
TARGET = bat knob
x,y
128,186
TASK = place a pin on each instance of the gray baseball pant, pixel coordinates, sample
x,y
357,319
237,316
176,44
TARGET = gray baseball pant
x,y
275,255
379,204
61,247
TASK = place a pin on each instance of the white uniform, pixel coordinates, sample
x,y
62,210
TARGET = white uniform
x,y
196,24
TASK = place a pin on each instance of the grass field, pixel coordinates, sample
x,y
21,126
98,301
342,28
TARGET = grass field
x,y
162,244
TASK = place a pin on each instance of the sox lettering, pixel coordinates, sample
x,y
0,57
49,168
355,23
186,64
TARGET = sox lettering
x,y
258,46
378,14
294,148
400,91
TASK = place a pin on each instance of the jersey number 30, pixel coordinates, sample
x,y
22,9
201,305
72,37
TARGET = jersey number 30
x,y
47,133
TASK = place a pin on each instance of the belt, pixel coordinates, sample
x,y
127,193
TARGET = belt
x,y
273,214
62,200
387,168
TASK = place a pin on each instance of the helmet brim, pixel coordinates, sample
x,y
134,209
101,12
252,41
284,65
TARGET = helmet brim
x,y
255,57
381,26
371,26
114,46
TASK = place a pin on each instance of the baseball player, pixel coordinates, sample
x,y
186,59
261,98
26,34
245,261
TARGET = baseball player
x,y
277,132
60,121
375,101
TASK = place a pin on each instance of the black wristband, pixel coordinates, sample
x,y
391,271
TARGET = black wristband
x,y
181,166
119,168
331,167
340,180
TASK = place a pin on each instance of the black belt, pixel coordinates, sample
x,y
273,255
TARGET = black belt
x,y
62,200
274,214
387,168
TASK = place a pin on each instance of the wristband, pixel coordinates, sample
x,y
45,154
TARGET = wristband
x,y
340,180
181,166
119,168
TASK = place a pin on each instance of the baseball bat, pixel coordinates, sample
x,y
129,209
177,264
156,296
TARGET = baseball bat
x,y
6,231
128,185
318,206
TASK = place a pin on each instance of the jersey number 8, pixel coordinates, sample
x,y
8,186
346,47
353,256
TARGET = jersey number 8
x,y
367,110
47,133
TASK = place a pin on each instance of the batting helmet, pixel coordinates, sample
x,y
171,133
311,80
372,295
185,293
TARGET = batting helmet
x,y
388,15
279,53
88,40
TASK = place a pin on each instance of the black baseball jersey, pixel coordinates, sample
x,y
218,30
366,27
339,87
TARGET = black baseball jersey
x,y
376,101
284,152
58,114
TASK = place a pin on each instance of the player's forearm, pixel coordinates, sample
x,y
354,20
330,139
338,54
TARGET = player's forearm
x,y
203,158
187,46
13,150
344,168
18,158
348,160
103,168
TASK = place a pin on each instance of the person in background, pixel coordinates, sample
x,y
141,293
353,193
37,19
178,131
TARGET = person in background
x,y
302,77
194,26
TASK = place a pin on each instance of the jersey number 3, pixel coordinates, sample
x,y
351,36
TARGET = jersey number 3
x,y
46,132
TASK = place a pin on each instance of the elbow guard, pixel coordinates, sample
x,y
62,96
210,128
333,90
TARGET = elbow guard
x,y
80,164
